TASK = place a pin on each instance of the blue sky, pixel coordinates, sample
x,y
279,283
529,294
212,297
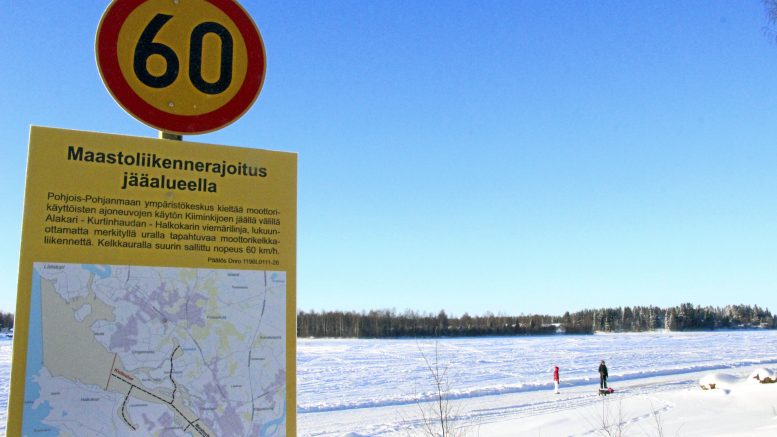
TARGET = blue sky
x,y
504,156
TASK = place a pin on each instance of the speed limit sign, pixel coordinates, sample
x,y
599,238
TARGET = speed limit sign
x,y
181,66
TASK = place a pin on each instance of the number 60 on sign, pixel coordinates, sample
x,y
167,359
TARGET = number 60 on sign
x,y
181,66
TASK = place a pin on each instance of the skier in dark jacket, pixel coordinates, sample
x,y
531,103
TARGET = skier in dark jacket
x,y
602,375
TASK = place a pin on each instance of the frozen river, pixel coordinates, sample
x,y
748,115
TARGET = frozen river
x,y
348,378
343,374
369,387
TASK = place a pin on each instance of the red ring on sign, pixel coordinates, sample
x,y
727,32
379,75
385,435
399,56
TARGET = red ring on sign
x,y
120,89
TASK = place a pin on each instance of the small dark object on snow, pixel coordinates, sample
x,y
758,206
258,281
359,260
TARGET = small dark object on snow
x,y
605,391
766,380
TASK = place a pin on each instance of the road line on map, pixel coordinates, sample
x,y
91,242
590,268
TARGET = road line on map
x,y
110,373
200,430
123,408
175,386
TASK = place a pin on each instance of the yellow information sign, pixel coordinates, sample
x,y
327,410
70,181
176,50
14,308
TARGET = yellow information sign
x,y
156,289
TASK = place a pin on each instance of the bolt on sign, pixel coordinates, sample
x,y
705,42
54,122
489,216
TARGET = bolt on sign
x,y
181,66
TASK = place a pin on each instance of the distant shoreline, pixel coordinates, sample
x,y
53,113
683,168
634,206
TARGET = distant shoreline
x,y
411,324
560,334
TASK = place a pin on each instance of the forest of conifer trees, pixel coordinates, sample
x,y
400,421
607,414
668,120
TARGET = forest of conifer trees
x,y
390,324
6,320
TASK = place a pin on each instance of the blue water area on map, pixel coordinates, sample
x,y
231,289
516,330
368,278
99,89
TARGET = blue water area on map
x,y
101,271
272,427
32,418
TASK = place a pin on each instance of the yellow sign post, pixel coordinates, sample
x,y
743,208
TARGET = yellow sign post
x,y
156,289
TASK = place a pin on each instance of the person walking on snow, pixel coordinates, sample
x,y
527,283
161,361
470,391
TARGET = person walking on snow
x,y
555,379
602,375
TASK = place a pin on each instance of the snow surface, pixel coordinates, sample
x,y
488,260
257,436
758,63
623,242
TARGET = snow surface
x,y
503,386
5,380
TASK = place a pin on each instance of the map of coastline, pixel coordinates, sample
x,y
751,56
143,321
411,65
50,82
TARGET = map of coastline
x,y
161,351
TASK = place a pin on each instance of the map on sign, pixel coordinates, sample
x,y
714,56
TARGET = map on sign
x,y
157,351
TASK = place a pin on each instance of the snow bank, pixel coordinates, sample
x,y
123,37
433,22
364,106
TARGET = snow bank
x,y
719,381
761,374
727,382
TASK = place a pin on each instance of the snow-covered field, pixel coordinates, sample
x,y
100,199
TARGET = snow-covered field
x,y
502,386
5,380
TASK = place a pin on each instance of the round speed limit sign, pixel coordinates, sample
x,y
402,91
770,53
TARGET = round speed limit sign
x,y
181,66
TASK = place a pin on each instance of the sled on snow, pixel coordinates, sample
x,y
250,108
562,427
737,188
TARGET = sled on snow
x,y
606,391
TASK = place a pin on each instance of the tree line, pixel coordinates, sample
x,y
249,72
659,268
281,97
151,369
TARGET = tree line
x,y
390,324
6,320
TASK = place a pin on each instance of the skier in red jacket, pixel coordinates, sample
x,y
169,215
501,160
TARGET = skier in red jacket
x,y
555,379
